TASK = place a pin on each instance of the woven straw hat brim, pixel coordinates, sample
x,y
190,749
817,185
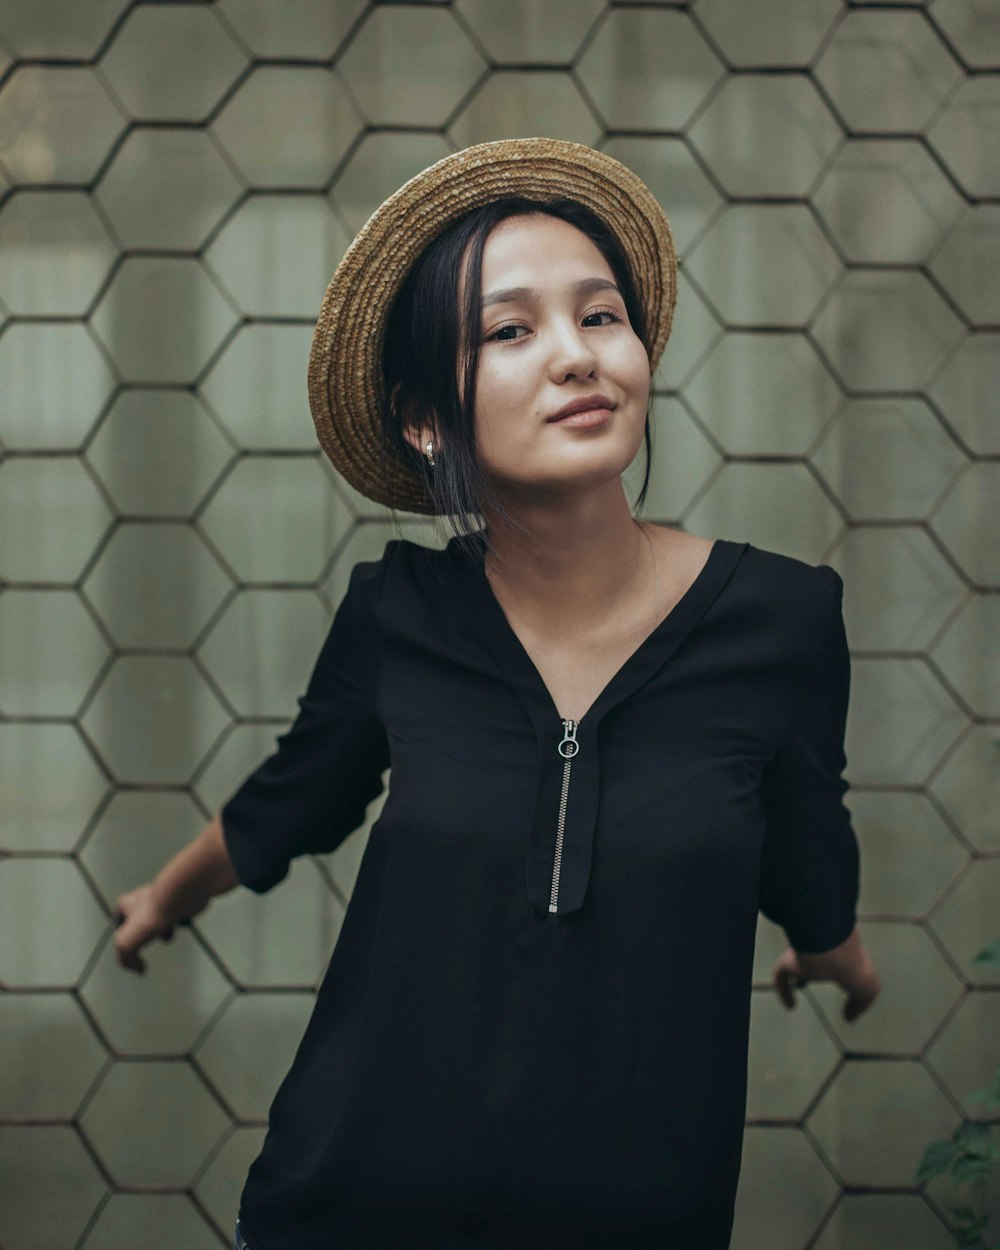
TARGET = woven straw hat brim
x,y
346,384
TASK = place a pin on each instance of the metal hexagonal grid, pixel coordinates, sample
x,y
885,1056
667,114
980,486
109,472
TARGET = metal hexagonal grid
x,y
168,234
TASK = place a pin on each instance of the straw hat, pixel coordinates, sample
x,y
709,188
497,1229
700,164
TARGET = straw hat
x,y
346,385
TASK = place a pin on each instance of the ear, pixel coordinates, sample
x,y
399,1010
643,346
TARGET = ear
x,y
419,432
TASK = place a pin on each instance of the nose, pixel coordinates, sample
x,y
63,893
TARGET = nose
x,y
573,354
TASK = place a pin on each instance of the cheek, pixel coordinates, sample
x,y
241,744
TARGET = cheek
x,y
504,401
634,367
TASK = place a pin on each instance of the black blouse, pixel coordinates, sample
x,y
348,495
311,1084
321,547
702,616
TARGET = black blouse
x,y
533,1029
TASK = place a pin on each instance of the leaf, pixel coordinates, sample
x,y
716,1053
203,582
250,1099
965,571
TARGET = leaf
x,y
938,1158
989,955
988,1094
975,1137
971,1241
969,1167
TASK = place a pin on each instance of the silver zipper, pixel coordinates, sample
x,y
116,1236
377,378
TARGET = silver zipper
x,y
568,748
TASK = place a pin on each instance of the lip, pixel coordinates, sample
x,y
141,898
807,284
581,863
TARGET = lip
x,y
596,404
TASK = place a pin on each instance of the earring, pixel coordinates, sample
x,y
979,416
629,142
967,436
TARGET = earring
x,y
429,453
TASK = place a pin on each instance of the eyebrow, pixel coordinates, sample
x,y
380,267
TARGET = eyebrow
x,y
529,295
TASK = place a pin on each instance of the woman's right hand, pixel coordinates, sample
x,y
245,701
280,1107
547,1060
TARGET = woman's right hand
x,y
181,889
141,917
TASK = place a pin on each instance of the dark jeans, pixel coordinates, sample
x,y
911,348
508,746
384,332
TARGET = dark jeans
x,y
238,1242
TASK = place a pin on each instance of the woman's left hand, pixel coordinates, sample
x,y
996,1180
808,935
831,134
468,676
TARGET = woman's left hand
x,y
848,964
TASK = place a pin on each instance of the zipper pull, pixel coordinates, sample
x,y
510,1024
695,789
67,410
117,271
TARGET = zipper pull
x,y
569,746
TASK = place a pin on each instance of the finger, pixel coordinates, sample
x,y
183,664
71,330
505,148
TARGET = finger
x,y
128,939
783,981
131,960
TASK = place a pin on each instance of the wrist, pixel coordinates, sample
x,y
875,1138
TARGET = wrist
x,y
845,961
174,900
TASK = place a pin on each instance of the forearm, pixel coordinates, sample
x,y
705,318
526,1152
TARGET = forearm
x,y
187,883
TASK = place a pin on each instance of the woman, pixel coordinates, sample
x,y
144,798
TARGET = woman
x,y
610,743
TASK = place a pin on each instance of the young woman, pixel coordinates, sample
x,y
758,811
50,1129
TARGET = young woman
x,y
611,743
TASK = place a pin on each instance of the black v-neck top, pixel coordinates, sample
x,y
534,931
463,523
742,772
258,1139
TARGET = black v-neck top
x,y
533,1028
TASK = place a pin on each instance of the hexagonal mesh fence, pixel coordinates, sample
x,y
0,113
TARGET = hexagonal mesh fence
x,y
177,183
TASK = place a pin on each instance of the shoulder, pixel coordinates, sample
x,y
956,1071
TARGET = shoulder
x,y
408,573
776,607
802,601
812,587
785,582
794,578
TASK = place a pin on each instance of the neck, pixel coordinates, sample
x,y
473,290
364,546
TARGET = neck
x,y
569,564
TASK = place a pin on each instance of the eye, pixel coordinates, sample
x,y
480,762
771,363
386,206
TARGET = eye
x,y
604,312
502,333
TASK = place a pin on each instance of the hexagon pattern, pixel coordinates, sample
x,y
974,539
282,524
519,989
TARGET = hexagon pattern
x,y
127,1218
172,63
54,381
961,134
58,124
167,189
61,649
304,31
254,388
377,166
250,1048
162,319
174,1122
903,589
30,1156
763,264
252,128
886,330
169,429
156,585
51,1056
404,89
733,135
164,1011
275,255
968,787
887,460
671,69
46,810
153,718
757,33
50,922
523,32
177,184
57,252
273,632
887,70
886,201
519,99
59,29
895,1108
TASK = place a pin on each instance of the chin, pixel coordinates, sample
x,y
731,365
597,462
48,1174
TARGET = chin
x,y
564,485
591,464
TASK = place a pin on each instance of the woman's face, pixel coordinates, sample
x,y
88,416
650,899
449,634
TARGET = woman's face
x,y
555,331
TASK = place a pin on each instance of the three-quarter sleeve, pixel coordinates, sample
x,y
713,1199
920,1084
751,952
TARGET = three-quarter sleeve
x,y
313,790
809,860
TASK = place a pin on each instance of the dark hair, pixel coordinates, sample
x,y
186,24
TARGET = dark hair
x,y
426,330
